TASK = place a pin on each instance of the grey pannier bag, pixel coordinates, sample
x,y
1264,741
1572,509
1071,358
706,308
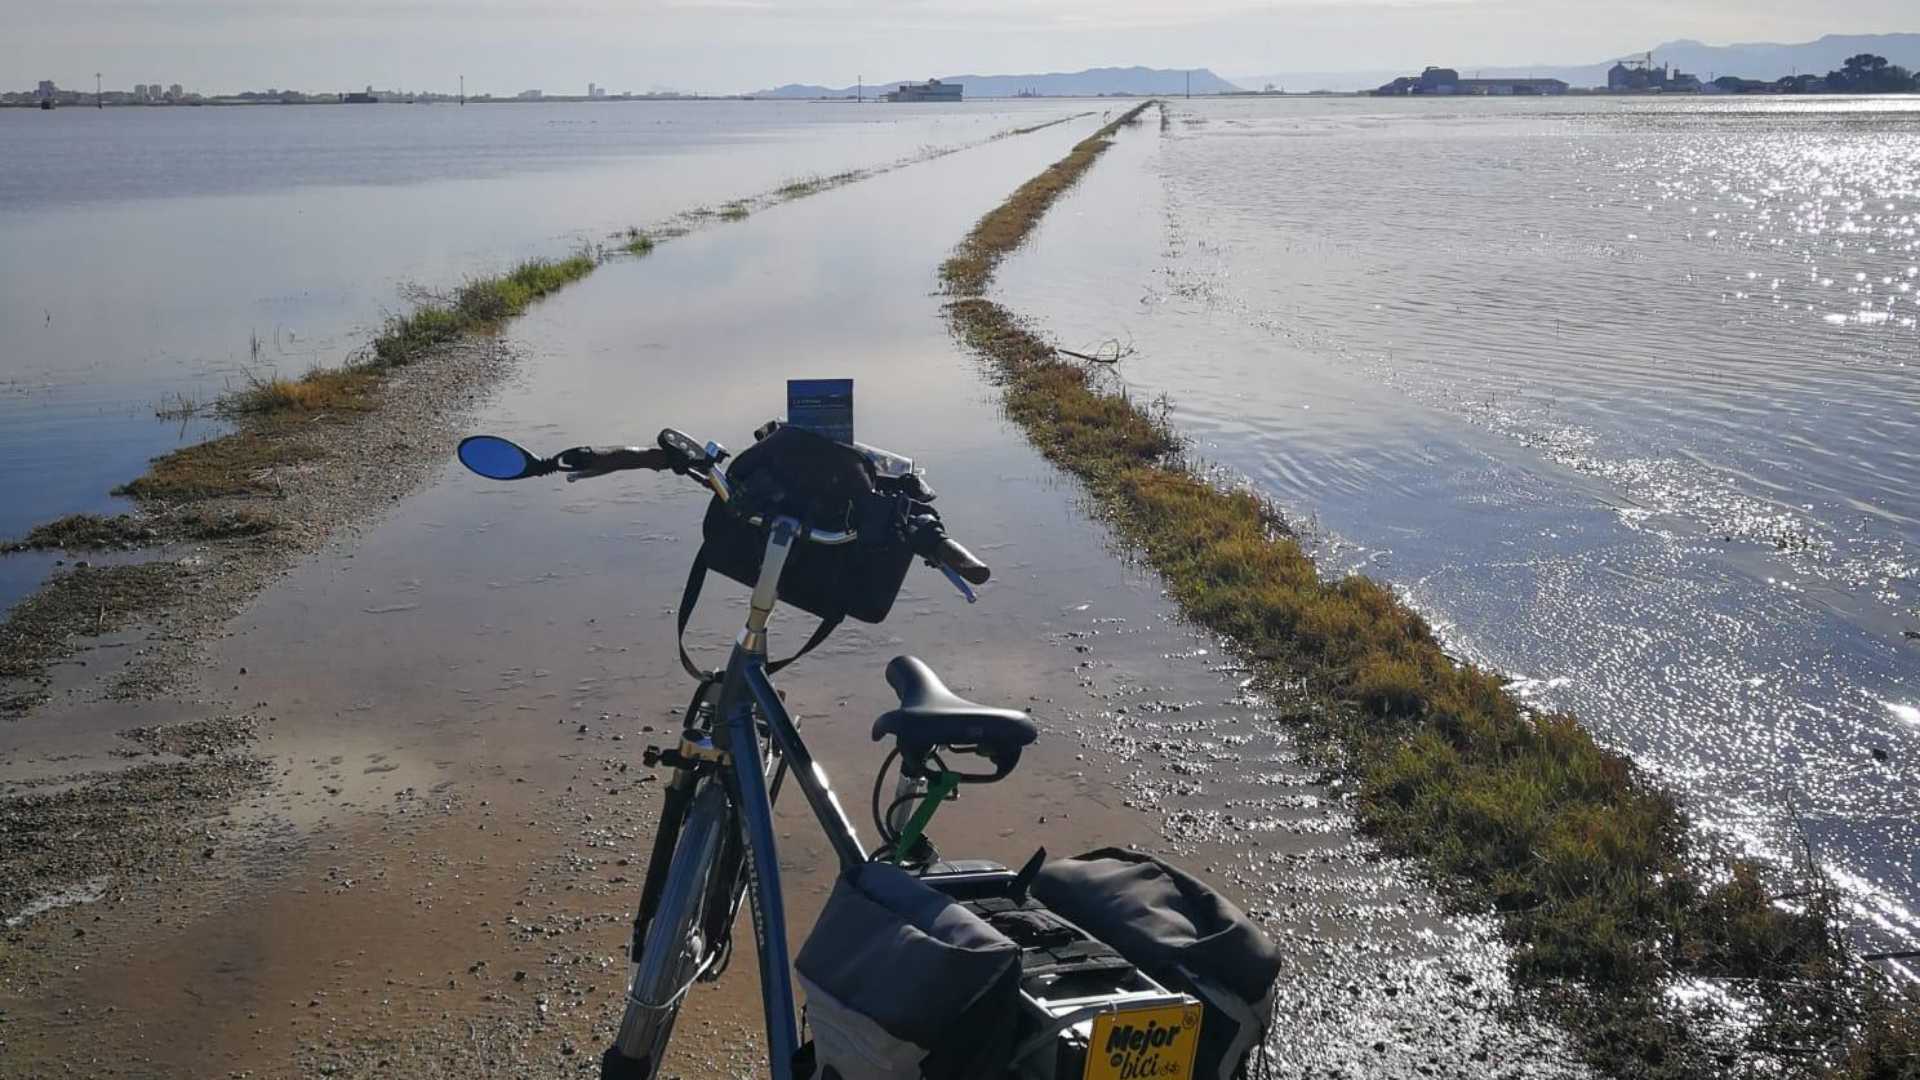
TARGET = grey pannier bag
x,y
903,983
1184,935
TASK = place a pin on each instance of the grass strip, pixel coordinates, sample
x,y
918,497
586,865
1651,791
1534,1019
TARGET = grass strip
x,y
481,305
1601,888
997,234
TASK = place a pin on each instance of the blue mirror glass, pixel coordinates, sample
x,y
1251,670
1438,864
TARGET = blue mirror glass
x,y
496,458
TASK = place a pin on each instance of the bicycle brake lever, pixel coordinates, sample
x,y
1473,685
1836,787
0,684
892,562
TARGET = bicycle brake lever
x,y
958,582
587,474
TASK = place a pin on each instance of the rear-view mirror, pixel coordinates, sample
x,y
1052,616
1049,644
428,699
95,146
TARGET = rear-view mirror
x,y
496,458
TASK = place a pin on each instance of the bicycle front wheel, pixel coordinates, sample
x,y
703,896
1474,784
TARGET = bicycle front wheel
x,y
676,950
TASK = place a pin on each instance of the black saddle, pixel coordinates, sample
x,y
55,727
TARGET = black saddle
x,y
931,716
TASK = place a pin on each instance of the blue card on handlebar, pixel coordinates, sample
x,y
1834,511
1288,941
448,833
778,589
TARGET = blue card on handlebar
x,y
822,406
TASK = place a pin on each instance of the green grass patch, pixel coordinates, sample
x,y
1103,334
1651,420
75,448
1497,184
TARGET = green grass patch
x,y
478,306
636,242
1592,868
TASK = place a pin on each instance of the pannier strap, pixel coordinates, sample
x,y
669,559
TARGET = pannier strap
x,y
696,577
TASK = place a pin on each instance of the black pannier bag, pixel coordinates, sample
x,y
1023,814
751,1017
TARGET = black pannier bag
x,y
1184,935
830,487
902,983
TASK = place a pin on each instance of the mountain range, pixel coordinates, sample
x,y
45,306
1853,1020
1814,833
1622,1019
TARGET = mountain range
x,y
1139,81
1752,60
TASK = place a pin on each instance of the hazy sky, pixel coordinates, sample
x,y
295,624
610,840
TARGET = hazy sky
x,y
729,45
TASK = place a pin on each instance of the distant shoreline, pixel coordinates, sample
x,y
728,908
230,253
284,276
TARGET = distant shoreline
x,y
574,100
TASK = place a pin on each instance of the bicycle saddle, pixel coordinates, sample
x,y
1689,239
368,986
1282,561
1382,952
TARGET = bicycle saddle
x,y
930,715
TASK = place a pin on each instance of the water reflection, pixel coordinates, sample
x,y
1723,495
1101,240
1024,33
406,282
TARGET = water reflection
x,y
155,257
1623,395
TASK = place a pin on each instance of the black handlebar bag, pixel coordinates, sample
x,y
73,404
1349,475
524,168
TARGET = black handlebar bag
x,y
1184,935
828,487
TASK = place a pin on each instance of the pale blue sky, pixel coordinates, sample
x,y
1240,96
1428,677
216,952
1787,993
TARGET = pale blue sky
x,y
730,45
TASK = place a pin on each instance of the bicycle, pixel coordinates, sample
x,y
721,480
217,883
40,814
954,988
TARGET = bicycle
x,y
715,848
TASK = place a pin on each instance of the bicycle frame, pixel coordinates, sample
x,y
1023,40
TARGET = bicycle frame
x,y
747,698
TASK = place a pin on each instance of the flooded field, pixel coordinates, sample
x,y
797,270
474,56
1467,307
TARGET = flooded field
x,y
439,875
1621,395
151,260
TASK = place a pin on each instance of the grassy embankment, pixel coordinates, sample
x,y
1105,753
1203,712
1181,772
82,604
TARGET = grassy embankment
x,y
1601,886
274,428
272,411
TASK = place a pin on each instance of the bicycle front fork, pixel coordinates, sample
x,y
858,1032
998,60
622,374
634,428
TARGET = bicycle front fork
x,y
675,950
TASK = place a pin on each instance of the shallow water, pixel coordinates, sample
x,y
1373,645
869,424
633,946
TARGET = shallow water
x,y
1625,397
150,257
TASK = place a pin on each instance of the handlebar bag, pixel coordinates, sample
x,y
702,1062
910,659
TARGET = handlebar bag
x,y
1184,935
902,983
827,486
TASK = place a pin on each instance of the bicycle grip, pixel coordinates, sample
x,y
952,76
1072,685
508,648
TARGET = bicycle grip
x,y
950,554
606,459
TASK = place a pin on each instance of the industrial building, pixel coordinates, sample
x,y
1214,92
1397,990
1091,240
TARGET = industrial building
x,y
1444,82
931,90
1639,76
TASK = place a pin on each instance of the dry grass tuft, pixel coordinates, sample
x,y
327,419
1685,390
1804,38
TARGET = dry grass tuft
x,y
350,389
85,532
242,463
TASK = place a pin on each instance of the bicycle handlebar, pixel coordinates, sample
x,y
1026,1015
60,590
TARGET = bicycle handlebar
x,y
585,462
680,453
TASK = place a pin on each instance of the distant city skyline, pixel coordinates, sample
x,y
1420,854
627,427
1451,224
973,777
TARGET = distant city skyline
x,y
504,47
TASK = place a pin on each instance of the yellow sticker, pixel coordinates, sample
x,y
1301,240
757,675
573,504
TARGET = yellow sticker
x,y
1141,1043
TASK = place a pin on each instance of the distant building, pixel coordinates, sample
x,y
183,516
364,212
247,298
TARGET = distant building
x,y
176,92
366,97
46,91
529,95
1640,76
594,91
1511,87
1446,82
931,90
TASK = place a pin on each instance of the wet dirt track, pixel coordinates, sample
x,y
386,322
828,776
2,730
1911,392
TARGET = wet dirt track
x,y
436,879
